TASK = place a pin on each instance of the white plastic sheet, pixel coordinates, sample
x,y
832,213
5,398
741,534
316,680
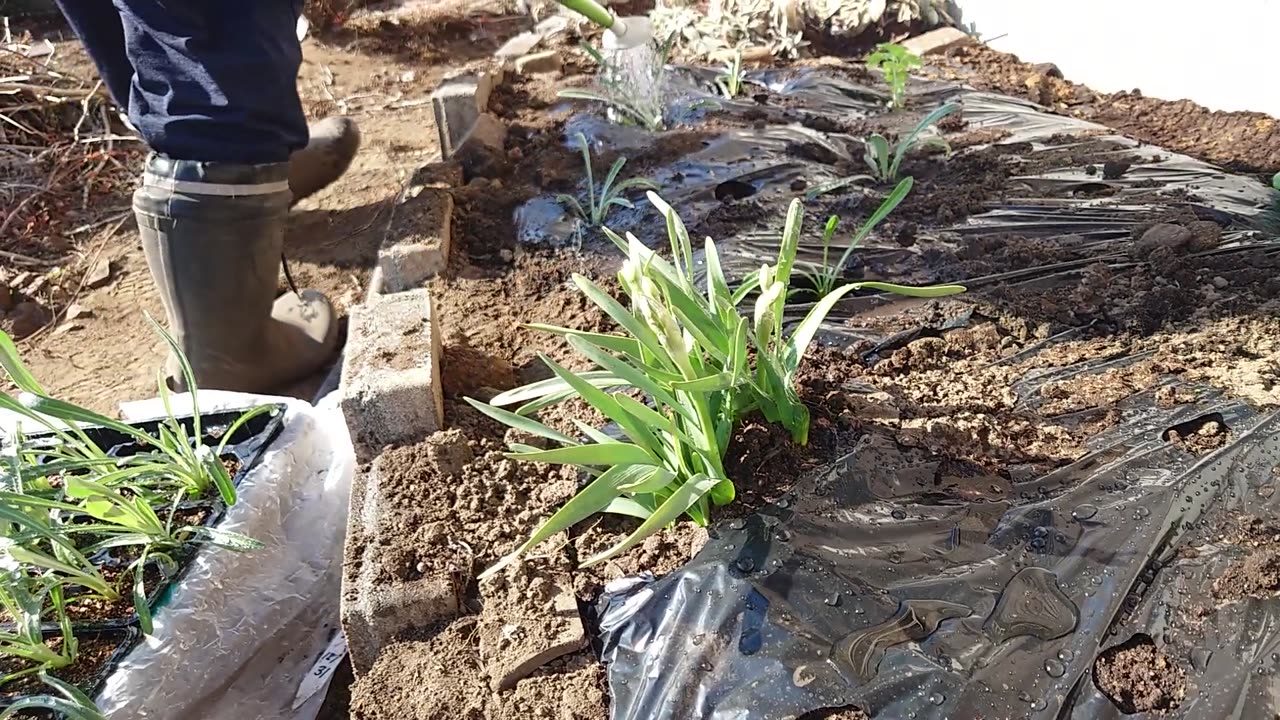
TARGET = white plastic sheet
x,y
238,635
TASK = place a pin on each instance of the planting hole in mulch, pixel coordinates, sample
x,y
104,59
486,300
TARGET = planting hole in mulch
x,y
1139,678
996,484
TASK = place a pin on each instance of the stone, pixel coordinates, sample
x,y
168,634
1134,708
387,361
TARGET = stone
x,y
76,311
1161,235
521,44
938,41
67,327
27,318
539,63
457,103
417,242
99,275
552,25
390,386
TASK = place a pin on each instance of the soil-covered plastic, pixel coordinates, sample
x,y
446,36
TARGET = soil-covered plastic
x,y
869,585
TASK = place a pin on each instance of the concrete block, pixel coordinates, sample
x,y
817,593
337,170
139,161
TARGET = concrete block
x,y
417,241
539,63
390,389
937,41
374,613
457,103
521,44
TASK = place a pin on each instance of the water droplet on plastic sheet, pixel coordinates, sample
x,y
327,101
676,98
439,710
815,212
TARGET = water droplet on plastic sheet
x,y
833,599
745,564
1084,512
937,699
1054,668
784,535
899,514
736,524
1066,655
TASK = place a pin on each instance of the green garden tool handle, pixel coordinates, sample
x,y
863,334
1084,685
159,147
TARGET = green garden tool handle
x,y
592,11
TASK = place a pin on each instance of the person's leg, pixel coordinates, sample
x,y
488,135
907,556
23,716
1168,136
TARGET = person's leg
x,y
214,95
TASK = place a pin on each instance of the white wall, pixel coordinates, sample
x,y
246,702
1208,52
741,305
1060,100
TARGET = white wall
x,y
1222,54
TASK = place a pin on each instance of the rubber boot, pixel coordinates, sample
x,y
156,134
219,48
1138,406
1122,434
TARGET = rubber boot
x,y
212,233
334,142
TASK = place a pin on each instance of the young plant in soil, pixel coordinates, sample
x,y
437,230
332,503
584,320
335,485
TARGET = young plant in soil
x,y
22,597
730,79
885,160
69,509
608,195
824,278
688,352
896,63
69,702
634,91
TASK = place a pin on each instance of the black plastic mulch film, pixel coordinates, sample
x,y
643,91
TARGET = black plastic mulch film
x,y
858,590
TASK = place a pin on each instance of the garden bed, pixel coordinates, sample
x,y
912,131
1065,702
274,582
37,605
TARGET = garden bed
x,y
1119,335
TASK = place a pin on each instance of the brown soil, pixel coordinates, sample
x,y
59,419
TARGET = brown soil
x,y
440,676
1139,678
1255,573
1244,142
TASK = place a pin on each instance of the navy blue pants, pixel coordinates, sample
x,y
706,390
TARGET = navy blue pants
x,y
204,80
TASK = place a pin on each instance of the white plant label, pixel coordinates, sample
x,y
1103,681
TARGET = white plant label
x,y
318,678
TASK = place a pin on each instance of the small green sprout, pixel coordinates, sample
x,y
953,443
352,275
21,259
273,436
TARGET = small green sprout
x,y
730,79
824,278
885,160
609,194
1275,181
896,63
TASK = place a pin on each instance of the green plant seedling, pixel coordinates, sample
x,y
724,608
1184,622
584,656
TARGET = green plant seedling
x,y
189,462
1275,181
730,80
885,160
22,598
779,357
896,62
609,194
824,278
69,703
687,349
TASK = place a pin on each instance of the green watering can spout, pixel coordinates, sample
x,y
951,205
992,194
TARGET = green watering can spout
x,y
623,33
